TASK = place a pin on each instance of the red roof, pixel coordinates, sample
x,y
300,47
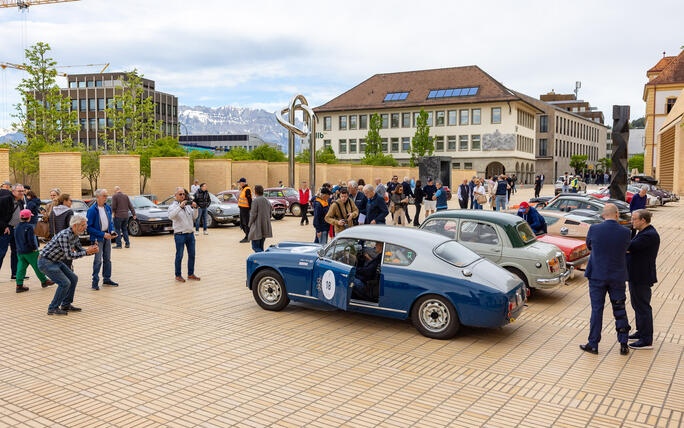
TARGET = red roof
x,y
672,73
664,62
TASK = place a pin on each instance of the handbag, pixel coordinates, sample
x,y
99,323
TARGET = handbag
x,y
481,199
42,230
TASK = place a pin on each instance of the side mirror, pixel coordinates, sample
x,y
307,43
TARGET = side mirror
x,y
564,231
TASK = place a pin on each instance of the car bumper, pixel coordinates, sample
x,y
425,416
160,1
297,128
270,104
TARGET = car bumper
x,y
155,226
555,281
576,264
221,218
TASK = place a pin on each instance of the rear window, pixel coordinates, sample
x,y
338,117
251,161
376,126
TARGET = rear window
x,y
525,233
456,254
78,206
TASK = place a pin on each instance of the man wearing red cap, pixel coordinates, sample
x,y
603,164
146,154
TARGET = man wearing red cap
x,y
533,218
27,251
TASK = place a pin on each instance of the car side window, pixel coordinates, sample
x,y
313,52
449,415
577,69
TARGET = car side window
x,y
344,251
591,207
571,222
556,205
398,256
444,227
479,233
550,219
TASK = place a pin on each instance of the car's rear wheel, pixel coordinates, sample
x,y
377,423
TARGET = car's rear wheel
x,y
296,210
269,291
435,317
278,216
134,228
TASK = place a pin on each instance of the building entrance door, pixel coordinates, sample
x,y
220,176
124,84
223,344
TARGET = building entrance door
x,y
495,168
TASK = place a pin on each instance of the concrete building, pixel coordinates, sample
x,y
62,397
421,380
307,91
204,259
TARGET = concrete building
x,y
670,148
223,142
637,141
665,82
473,118
91,94
562,131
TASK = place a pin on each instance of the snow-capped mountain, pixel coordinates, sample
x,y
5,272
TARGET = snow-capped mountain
x,y
7,135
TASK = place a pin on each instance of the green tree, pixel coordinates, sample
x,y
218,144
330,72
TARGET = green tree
x,y
90,168
638,123
268,153
636,161
604,164
238,154
198,154
373,140
380,160
167,147
421,143
131,123
324,155
578,163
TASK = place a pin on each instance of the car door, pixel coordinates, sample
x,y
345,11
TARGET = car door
x,y
333,271
482,238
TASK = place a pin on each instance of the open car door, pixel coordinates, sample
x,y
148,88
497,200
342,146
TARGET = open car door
x,y
333,273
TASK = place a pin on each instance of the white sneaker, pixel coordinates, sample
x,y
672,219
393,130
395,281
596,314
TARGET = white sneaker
x,y
206,233
197,233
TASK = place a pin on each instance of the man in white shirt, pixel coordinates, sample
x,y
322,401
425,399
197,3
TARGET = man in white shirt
x,y
183,214
195,187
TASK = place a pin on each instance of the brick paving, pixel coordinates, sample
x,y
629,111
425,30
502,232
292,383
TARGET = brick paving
x,y
158,353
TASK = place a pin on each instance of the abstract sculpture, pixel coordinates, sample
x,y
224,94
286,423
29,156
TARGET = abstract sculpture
x,y
618,183
298,102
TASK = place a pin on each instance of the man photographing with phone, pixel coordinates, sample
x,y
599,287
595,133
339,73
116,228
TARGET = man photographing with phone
x,y
183,214
101,230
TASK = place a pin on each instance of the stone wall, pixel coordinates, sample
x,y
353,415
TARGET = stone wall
x,y
217,173
167,174
62,170
4,165
256,172
458,175
278,171
122,171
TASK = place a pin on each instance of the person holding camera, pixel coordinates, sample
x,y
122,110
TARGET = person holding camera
x,y
183,214
342,212
101,230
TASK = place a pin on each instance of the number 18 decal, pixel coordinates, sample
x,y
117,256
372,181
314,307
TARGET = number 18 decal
x,y
328,285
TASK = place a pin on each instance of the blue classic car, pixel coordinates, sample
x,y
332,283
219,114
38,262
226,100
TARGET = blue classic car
x,y
392,272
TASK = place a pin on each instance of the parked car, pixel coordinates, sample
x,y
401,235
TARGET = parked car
x,y
534,202
506,240
289,195
78,206
219,212
433,280
651,199
567,202
150,218
575,250
558,186
569,224
279,206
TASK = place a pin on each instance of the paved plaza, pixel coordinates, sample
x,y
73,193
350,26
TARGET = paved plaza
x,y
155,352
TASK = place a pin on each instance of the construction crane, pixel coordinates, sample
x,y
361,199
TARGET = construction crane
x,y
24,4
5,65
86,65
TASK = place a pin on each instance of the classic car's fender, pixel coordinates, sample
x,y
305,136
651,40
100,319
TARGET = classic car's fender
x,y
295,267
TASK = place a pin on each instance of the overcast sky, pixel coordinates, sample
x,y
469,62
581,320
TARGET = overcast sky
x,y
259,54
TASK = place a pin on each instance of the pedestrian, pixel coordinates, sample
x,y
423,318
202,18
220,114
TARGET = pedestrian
x,y
413,184
491,189
463,195
183,214
60,218
101,230
537,186
502,188
54,194
66,245
260,220
376,210
480,194
11,204
440,196
342,213
320,210
244,204
541,177
509,181
27,250
203,200
641,266
399,204
566,183
195,187
380,189
418,196
428,201
408,193
33,205
304,201
361,182
358,198
6,185
638,201
607,273
392,184
121,205
471,188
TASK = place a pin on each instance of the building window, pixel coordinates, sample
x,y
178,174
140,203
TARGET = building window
x,y
326,144
455,92
543,123
327,123
101,104
362,145
101,124
352,143
92,103
395,145
463,117
98,83
395,120
343,122
83,124
429,121
74,105
452,117
542,146
439,118
475,116
456,165
415,119
90,84
395,96
110,103
474,143
439,144
405,144
82,84
384,118
451,142
468,165
363,121
496,114
462,142
91,124
670,103
342,146
406,120
110,122
352,122
384,145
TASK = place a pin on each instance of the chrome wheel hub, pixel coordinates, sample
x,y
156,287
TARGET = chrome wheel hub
x,y
434,315
270,291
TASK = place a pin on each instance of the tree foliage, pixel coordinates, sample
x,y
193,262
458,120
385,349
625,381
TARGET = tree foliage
x,y
604,164
373,140
636,161
638,123
167,147
90,168
268,153
324,155
380,160
238,154
421,143
578,163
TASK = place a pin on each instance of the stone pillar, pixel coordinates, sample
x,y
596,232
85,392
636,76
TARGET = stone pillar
x,y
122,171
167,174
4,165
61,170
215,172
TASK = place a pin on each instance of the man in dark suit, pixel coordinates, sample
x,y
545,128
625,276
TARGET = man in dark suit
x,y
607,273
376,209
641,258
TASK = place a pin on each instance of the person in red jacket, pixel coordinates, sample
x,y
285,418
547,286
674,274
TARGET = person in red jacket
x,y
304,200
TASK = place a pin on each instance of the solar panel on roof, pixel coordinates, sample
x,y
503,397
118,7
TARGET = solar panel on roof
x,y
396,96
455,92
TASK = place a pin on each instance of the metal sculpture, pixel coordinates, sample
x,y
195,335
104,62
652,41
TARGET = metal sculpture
x,y
620,133
299,103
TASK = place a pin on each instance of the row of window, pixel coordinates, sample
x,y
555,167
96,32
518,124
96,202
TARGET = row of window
x,y
466,165
524,144
99,125
525,119
98,104
574,128
99,84
404,120
566,149
396,145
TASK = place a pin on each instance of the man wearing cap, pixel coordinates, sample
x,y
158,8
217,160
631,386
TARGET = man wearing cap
x,y
429,191
101,231
27,250
533,218
244,203
6,185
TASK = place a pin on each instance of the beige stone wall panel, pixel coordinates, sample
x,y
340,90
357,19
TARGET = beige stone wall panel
x,y
256,172
167,174
61,170
122,171
217,173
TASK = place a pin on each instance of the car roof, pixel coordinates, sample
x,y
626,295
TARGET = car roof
x,y
557,214
414,238
500,218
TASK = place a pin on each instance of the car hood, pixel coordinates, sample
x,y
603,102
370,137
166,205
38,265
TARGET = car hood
x,y
152,212
307,248
229,208
543,249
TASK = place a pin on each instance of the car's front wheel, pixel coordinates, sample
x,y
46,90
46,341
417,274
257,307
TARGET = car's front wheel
x,y
435,317
134,228
269,291
296,210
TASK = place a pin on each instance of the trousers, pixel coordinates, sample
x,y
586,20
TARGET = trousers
x,y
26,260
65,279
244,220
597,294
182,241
640,297
7,242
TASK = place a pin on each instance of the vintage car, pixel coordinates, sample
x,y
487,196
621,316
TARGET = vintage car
x,y
279,205
435,281
150,218
506,240
77,206
219,212
567,202
290,195
575,250
558,185
571,225
651,199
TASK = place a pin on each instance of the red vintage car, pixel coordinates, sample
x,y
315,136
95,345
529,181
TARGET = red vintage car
x,y
279,205
290,195
575,250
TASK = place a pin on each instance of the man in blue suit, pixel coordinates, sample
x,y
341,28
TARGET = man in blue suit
x,y
607,273
101,231
376,209
641,258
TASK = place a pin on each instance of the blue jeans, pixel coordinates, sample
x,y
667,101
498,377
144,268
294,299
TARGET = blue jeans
x,y
7,242
323,239
476,205
597,295
65,279
500,202
121,227
258,245
185,240
201,217
103,259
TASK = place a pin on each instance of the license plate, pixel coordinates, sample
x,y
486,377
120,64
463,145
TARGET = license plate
x,y
168,228
280,211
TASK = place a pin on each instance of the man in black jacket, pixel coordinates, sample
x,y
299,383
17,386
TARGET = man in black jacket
x,y
203,200
641,266
11,204
408,193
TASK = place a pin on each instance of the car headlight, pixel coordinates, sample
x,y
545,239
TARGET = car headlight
x,y
553,265
154,219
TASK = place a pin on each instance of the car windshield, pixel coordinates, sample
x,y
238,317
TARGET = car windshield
x,y
228,197
142,202
290,192
214,199
79,206
455,253
525,233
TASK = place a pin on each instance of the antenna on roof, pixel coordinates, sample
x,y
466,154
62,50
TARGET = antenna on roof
x,y
578,85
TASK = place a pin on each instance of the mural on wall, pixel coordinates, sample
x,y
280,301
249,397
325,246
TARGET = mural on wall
x,y
498,141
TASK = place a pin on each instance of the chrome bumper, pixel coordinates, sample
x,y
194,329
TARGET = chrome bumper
x,y
579,262
558,280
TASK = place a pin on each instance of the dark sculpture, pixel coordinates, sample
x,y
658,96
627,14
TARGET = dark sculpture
x,y
618,183
436,167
